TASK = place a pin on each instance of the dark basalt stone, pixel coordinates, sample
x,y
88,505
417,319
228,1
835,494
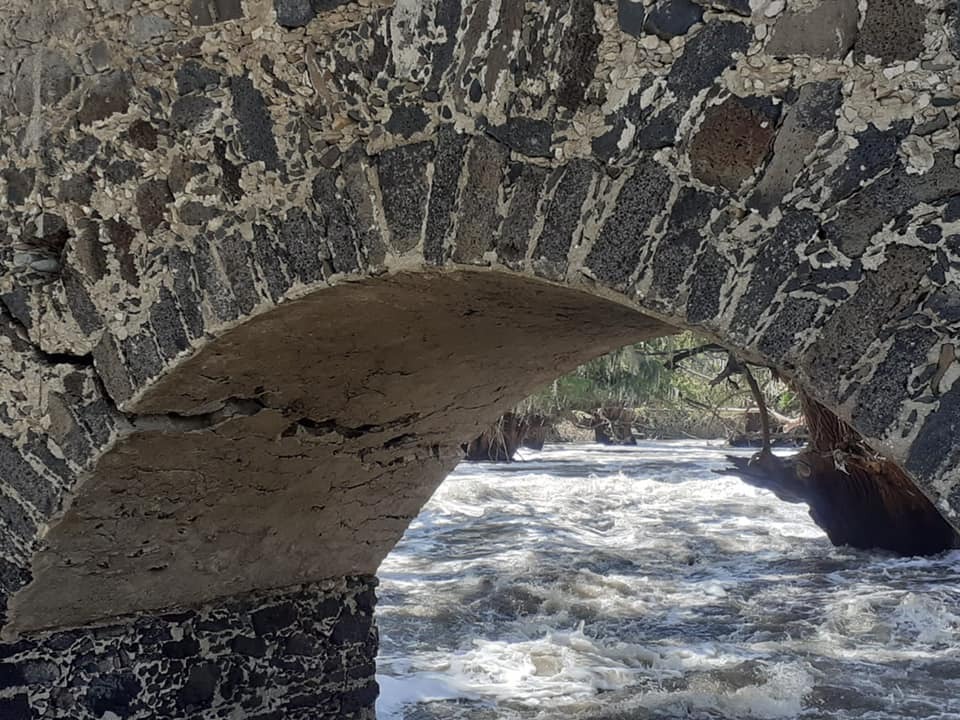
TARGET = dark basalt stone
x,y
56,80
563,213
828,31
180,649
338,218
196,213
448,17
10,675
622,241
711,274
78,300
185,287
880,399
120,171
403,174
113,693
191,112
672,18
525,189
152,198
631,16
678,248
881,295
730,144
302,241
249,646
795,316
888,197
486,161
578,55
83,149
931,448
51,232
256,125
407,120
143,135
16,708
167,322
200,688
272,619
19,184
192,76
294,13
705,56
230,174
875,152
809,115
237,262
109,96
25,480
17,303
774,263
526,136
121,236
892,30
945,304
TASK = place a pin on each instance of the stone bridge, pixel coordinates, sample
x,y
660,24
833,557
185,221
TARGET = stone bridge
x,y
266,263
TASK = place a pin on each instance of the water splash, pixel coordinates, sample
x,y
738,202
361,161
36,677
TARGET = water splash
x,y
627,584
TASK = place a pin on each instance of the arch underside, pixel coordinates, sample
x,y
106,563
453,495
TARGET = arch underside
x,y
263,265
299,445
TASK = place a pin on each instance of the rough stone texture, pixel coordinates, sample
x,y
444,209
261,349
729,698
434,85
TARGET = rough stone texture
x,y
892,30
827,30
731,143
298,653
807,119
670,18
222,231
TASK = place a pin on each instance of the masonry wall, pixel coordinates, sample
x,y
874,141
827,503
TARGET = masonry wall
x,y
780,176
304,653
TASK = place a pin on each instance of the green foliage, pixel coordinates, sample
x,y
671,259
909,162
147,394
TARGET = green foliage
x,y
636,376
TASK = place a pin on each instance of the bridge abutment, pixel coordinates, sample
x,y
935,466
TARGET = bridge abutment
x,y
302,653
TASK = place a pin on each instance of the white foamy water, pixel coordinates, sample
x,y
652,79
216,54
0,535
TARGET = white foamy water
x,y
634,583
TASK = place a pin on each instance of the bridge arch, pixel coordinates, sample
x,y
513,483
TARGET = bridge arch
x,y
346,234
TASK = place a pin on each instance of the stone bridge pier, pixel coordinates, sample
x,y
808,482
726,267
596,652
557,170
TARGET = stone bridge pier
x,y
265,264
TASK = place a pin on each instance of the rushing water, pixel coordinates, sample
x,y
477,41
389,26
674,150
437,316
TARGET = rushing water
x,y
629,584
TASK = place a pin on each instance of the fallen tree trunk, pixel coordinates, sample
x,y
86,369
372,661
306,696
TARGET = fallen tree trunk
x,y
858,497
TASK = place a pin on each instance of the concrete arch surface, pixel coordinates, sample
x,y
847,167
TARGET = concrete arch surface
x,y
341,233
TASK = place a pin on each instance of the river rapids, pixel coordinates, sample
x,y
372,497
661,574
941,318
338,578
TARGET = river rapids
x,y
604,583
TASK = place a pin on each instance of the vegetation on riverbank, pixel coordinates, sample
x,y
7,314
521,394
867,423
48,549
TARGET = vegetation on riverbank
x,y
663,388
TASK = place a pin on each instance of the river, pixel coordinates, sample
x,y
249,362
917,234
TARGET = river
x,y
634,583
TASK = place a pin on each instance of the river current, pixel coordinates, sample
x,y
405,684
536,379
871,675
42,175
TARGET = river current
x,y
604,583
